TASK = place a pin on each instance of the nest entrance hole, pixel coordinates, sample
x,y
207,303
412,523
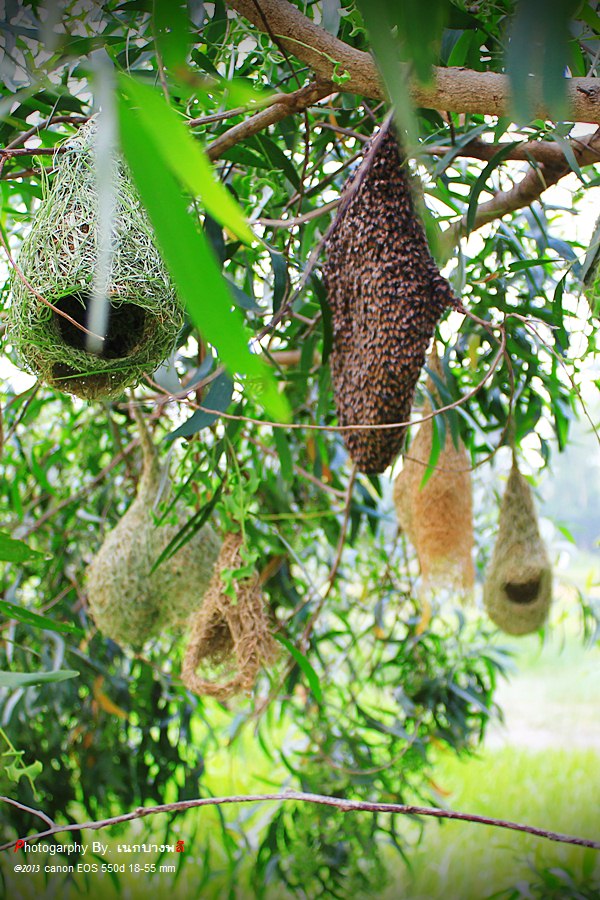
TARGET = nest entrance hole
x,y
125,330
524,592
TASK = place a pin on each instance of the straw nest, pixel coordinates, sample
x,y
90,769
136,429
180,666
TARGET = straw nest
x,y
518,588
128,602
386,296
230,638
58,258
438,516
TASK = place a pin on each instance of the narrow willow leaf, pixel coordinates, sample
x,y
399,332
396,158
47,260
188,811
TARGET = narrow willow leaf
x,y
170,26
479,185
12,611
379,19
218,398
16,551
182,153
311,675
191,262
26,679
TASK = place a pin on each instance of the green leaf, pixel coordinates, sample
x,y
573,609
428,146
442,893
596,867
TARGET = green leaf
x,y
275,157
311,675
170,26
16,551
284,453
26,679
281,278
14,772
12,611
479,185
188,530
379,19
218,398
538,55
182,154
437,442
190,260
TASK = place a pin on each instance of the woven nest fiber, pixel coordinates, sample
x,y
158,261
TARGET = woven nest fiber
x,y
230,639
386,295
58,258
518,588
129,603
438,517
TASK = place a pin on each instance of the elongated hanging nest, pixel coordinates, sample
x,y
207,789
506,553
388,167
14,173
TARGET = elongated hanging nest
x,y
438,516
129,602
58,258
230,638
386,296
518,587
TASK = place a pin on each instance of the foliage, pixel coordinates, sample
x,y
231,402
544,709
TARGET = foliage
x,y
377,679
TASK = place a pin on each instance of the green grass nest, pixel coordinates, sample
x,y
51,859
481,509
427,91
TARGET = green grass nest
x,y
58,258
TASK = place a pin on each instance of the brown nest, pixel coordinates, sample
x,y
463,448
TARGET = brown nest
x,y
518,588
129,602
230,638
437,516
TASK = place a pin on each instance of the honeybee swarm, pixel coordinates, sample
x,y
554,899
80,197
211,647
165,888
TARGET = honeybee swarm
x,y
386,296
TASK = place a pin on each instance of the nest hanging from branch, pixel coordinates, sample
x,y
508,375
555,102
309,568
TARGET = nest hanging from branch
x,y
130,603
58,258
230,638
438,516
386,296
518,588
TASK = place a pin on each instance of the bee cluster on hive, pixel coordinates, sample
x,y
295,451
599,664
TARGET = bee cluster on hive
x,y
387,296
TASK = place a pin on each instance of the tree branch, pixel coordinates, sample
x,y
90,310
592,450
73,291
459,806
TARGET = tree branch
x,y
455,89
536,180
303,797
547,152
297,101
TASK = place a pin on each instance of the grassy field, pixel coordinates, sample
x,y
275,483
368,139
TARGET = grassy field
x,y
541,767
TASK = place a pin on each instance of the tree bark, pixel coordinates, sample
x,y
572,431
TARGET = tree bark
x,y
452,89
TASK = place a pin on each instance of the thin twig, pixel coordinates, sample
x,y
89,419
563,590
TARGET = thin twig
x,y
84,490
33,812
382,426
339,550
304,797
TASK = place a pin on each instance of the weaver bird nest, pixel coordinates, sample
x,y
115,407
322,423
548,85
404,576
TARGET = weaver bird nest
x,y
518,589
57,262
386,296
437,516
230,637
129,602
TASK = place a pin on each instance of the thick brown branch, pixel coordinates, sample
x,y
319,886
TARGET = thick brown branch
x,y
302,797
536,180
542,151
456,89
289,104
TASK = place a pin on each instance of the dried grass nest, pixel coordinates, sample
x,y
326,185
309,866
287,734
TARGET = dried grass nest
x,y
518,588
230,638
386,295
128,602
438,516
58,258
